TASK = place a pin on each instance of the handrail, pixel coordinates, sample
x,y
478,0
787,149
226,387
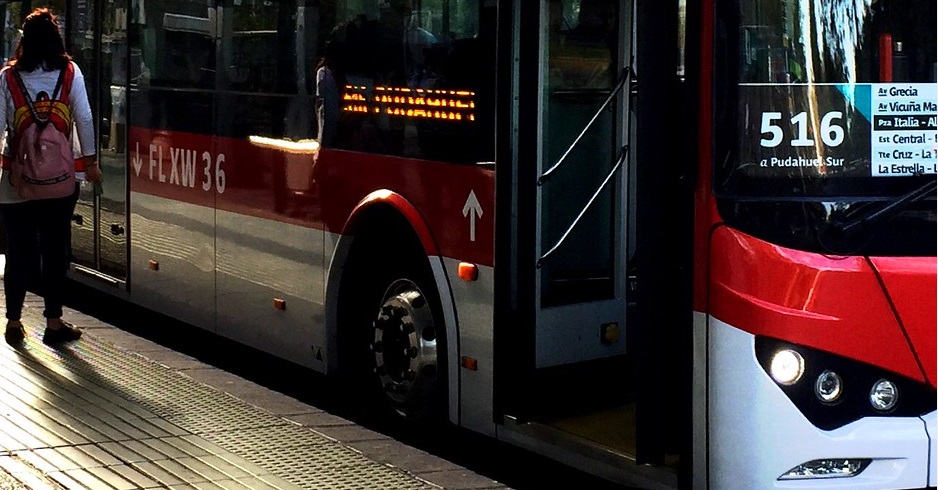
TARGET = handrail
x,y
623,154
624,77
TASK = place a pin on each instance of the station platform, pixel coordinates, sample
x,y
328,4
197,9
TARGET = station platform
x,y
116,411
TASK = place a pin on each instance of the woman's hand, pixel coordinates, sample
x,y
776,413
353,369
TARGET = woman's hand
x,y
93,172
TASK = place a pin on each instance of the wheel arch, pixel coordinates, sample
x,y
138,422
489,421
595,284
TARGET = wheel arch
x,y
369,214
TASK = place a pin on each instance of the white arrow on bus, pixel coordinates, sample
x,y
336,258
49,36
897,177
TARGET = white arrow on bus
x,y
137,161
472,209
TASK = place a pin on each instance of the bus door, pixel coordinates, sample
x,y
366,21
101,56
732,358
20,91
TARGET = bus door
x,y
571,192
581,184
96,37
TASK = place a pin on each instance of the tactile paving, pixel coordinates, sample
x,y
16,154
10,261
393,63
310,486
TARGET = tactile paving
x,y
91,415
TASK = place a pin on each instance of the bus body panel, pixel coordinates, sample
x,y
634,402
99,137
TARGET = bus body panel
x,y
475,341
451,329
700,402
912,286
269,287
455,201
748,410
832,303
248,273
250,252
173,258
335,249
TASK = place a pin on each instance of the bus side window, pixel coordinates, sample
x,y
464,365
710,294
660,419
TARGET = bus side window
x,y
413,74
177,44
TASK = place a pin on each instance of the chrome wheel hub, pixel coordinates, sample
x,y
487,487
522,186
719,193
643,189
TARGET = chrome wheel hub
x,y
405,346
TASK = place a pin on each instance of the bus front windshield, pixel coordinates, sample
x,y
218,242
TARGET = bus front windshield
x,y
836,118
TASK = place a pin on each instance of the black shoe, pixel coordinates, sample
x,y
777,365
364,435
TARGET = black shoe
x,y
66,333
15,333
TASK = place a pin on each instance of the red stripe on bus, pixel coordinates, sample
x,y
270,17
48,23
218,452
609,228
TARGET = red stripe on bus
x,y
457,202
835,304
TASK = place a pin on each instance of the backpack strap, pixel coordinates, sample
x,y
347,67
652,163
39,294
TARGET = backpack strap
x,y
21,97
6,159
65,83
18,99
41,121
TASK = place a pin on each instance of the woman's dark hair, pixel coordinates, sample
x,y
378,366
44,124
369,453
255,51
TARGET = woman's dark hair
x,y
41,44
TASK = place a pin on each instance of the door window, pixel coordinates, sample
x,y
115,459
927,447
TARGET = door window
x,y
582,43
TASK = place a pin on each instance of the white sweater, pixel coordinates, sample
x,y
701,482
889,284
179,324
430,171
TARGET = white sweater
x,y
44,81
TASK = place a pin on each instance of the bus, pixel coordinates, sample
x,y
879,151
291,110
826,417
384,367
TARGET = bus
x,y
672,244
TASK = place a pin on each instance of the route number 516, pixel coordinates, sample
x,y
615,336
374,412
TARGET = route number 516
x,y
832,134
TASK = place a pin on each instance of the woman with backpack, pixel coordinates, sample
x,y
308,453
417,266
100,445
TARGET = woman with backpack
x,y
41,88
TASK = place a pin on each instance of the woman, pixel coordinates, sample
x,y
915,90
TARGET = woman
x,y
41,225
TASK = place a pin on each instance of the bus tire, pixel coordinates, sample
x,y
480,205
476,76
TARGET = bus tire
x,y
394,334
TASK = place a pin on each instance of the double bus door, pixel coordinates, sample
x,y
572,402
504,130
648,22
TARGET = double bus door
x,y
586,346
96,37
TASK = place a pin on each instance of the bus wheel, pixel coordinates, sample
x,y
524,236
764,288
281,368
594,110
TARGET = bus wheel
x,y
405,350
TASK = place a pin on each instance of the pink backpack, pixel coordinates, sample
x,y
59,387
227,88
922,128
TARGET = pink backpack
x,y
43,162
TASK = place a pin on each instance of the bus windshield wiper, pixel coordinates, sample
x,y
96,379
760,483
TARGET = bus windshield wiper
x,y
877,215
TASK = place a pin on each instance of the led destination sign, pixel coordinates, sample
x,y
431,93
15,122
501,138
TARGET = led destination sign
x,y
452,105
838,130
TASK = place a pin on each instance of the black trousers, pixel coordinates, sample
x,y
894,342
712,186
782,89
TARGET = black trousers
x,y
38,237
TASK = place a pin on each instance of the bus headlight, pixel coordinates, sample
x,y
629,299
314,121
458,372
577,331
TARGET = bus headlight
x,y
828,387
787,367
884,395
826,468
832,391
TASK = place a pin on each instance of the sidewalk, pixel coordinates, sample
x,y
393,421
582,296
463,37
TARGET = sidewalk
x,y
116,411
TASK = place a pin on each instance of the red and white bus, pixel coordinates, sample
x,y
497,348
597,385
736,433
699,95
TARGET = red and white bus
x,y
677,246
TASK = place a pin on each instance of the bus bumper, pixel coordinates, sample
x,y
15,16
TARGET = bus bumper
x,y
756,434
